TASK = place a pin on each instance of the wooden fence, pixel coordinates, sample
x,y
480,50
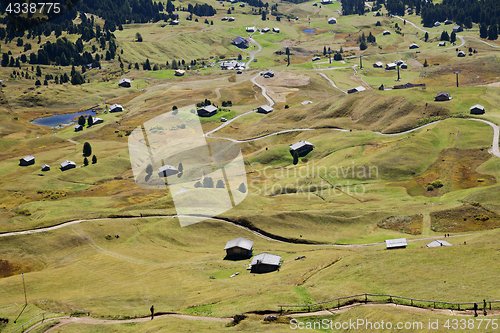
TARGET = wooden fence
x,y
33,321
381,298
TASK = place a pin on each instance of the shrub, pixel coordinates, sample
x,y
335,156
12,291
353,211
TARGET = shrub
x,y
437,183
208,182
430,187
23,212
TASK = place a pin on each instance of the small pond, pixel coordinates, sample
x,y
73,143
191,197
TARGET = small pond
x,y
62,119
308,31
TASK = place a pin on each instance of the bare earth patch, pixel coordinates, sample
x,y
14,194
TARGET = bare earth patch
x,y
280,86
464,218
408,224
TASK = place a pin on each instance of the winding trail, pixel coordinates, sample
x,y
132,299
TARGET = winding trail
x,y
264,93
346,308
462,38
252,53
413,24
255,232
63,321
74,142
228,122
331,82
494,150
482,41
252,56
496,134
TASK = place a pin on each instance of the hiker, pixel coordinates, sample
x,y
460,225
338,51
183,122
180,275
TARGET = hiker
x,y
475,309
152,309
484,307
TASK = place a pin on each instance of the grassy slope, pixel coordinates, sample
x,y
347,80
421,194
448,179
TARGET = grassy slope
x,y
123,276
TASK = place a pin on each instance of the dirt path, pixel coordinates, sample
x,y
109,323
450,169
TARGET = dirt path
x,y
74,142
271,102
399,306
331,82
228,122
494,150
496,134
63,321
255,232
413,24
482,41
252,53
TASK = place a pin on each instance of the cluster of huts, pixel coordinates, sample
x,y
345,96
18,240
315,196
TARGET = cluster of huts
x,y
210,110
30,160
95,121
232,64
242,248
391,65
456,28
267,74
475,109
243,43
264,30
401,243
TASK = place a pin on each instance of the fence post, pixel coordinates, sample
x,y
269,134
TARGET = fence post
x,y
490,305
281,310
308,308
43,317
338,304
458,306
412,302
390,298
434,305
366,299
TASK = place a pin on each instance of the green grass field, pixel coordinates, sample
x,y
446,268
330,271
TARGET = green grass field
x,y
337,198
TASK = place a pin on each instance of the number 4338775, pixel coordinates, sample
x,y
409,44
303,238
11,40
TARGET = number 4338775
x,y
471,324
32,8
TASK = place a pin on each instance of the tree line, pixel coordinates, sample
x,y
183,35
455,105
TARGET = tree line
x,y
350,7
485,13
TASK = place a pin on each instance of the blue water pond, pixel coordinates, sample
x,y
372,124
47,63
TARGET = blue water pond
x,y
62,119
